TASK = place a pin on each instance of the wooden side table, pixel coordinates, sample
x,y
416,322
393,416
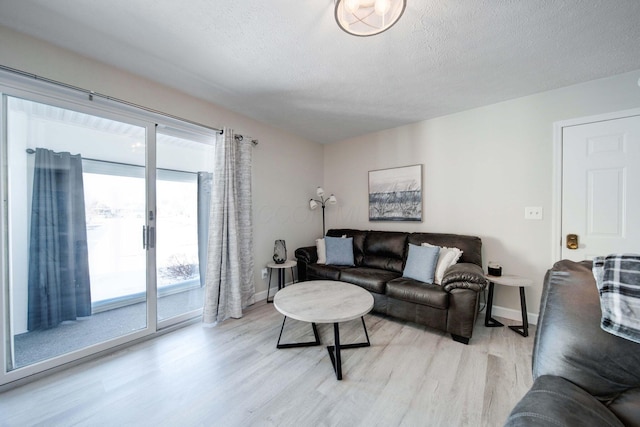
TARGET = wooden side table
x,y
282,268
508,280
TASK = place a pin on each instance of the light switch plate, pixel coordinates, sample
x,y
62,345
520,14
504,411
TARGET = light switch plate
x,y
533,212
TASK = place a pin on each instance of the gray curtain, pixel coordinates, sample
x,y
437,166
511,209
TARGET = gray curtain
x,y
204,204
229,278
58,284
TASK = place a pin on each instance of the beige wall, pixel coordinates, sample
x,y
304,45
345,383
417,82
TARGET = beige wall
x,y
482,167
286,168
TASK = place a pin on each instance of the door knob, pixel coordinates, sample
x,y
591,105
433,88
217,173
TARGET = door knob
x,y
572,241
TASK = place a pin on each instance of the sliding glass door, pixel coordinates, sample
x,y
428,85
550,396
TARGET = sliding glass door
x,y
76,210
104,227
183,185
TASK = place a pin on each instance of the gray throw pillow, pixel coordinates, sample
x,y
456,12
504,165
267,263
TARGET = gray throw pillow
x,y
421,263
339,250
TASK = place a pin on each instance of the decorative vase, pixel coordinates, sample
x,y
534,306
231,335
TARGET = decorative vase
x,y
280,252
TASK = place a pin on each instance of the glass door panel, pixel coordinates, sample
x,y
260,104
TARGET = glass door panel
x,y
76,211
184,166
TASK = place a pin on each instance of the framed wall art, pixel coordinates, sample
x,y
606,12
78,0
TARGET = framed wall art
x,y
396,194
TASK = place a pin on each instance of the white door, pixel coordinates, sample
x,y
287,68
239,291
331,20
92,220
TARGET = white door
x,y
601,188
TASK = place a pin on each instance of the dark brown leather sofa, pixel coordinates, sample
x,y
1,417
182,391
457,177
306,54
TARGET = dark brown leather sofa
x,y
583,376
379,261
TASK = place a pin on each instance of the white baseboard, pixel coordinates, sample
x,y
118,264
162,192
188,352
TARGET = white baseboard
x,y
507,313
511,314
259,296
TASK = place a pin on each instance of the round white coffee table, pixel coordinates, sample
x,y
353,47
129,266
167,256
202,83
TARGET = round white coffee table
x,y
508,280
324,301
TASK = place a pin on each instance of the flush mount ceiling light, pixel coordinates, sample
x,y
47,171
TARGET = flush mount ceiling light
x,y
368,17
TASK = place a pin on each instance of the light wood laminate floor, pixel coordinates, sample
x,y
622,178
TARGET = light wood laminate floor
x,y
233,375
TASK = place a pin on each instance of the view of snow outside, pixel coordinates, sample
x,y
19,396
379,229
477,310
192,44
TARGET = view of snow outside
x,y
115,211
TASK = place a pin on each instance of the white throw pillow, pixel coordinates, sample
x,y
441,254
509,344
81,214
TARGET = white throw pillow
x,y
447,258
322,251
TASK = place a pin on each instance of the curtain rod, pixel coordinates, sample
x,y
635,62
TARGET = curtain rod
x,y
32,151
239,137
92,94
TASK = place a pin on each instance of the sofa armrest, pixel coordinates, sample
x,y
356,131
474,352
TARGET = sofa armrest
x,y
464,275
307,254
556,401
569,337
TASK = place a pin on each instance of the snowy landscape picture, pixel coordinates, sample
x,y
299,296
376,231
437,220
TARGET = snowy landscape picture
x,y
396,194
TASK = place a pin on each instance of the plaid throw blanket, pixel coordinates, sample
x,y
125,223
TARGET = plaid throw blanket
x,y
618,280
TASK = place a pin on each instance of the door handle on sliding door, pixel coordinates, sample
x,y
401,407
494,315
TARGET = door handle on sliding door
x,y
148,237
151,237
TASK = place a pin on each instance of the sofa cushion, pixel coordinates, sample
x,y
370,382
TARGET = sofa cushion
x,y
385,250
554,401
358,241
421,263
418,292
321,249
471,246
371,279
446,258
321,271
339,250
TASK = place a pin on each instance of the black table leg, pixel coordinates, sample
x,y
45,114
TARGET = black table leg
x,y
524,328
281,278
269,285
299,344
489,321
334,350
336,361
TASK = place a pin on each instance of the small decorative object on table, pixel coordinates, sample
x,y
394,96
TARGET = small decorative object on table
x,y
494,269
280,252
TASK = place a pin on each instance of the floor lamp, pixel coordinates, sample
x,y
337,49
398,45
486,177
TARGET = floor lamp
x,y
313,203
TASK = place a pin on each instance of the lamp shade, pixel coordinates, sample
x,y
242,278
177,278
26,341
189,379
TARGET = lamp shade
x,y
368,17
320,191
313,204
332,199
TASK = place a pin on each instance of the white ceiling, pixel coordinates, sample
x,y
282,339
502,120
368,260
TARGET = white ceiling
x,y
286,63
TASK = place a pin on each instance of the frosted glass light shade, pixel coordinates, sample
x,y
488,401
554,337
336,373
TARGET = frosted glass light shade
x,y
332,199
320,191
352,5
371,17
382,6
313,204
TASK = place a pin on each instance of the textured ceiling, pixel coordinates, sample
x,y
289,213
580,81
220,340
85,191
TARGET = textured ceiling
x,y
288,64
